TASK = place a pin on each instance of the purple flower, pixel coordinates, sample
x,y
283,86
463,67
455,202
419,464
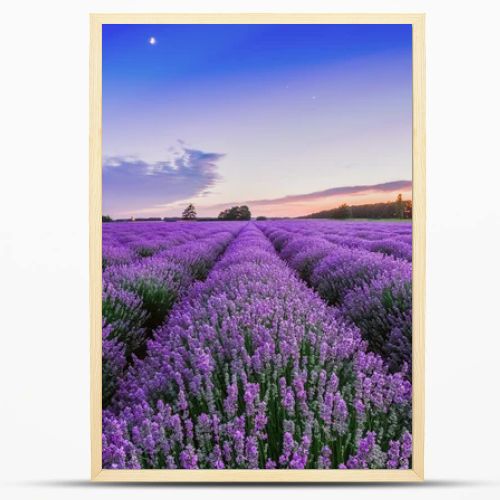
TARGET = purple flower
x,y
393,455
249,366
363,456
324,460
189,458
252,452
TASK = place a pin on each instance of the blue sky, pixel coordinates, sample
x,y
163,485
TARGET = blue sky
x,y
307,115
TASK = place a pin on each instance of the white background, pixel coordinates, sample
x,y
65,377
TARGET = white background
x,y
44,440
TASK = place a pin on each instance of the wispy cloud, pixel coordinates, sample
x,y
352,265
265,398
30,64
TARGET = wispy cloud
x,y
386,187
132,185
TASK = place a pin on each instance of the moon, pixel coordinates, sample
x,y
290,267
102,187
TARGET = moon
x,y
152,40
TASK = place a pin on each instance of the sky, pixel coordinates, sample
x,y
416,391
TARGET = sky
x,y
289,119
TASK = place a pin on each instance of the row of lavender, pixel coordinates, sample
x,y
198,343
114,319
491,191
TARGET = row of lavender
x,y
364,269
147,267
388,238
253,370
126,242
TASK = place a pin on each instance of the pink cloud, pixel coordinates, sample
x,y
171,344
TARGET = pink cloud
x,y
387,187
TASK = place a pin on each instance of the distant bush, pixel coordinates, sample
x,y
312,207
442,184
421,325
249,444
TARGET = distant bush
x,y
107,218
236,213
261,217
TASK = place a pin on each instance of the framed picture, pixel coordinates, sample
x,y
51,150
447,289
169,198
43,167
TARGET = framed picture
x,y
257,247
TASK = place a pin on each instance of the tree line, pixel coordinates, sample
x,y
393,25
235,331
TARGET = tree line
x,y
189,214
399,209
234,213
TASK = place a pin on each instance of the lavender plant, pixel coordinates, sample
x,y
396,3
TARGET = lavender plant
x,y
138,295
253,370
346,268
382,309
368,279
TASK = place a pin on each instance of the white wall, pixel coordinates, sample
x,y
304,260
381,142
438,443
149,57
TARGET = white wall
x,y
44,444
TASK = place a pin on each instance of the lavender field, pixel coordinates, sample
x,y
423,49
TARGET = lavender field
x,y
243,345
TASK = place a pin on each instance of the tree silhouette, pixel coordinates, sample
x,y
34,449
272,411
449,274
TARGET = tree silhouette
x,y
244,213
400,207
189,212
409,209
343,212
236,213
387,210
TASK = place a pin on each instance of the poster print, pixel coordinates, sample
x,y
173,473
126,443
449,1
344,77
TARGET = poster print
x,y
257,247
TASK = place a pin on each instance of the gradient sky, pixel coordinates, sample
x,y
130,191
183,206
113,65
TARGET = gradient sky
x,y
290,119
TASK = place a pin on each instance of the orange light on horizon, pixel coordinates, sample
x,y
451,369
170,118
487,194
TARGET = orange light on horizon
x,y
298,209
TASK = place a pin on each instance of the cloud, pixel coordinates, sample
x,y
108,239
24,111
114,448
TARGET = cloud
x,y
134,185
386,187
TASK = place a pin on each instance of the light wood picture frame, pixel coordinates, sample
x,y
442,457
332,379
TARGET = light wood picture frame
x,y
416,473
